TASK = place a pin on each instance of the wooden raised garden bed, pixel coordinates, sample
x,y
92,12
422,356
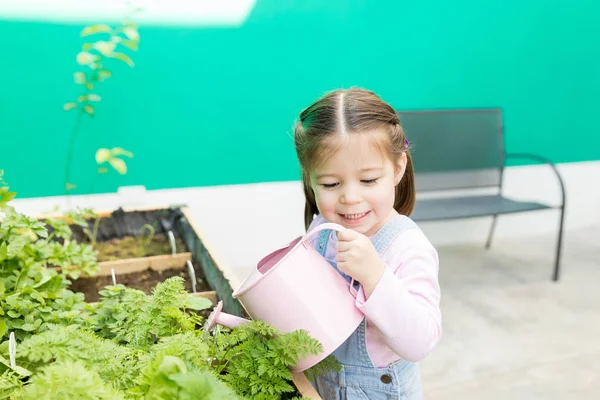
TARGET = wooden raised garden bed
x,y
118,228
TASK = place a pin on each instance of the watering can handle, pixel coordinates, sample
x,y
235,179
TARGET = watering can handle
x,y
335,227
323,227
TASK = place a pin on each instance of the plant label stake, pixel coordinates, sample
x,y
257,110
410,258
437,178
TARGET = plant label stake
x,y
172,240
12,350
192,275
114,278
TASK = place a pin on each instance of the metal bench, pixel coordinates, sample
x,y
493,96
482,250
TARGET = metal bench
x,y
462,151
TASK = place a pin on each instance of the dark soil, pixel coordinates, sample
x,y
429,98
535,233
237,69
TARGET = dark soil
x,y
124,235
142,280
134,247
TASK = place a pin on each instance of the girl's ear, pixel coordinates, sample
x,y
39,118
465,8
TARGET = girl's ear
x,y
400,168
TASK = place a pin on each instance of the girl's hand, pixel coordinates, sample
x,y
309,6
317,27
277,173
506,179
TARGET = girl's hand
x,y
357,257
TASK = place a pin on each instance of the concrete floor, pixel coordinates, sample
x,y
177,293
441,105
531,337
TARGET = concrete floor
x,y
509,331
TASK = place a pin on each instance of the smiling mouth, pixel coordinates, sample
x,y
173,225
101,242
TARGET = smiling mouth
x,y
354,216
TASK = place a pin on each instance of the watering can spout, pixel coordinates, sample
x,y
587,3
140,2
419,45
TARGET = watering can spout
x,y
221,318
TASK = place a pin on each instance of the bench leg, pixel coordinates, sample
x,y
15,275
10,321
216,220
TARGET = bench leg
x,y
492,228
559,245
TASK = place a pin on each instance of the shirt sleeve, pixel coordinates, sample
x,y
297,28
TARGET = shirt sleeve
x,y
318,220
405,304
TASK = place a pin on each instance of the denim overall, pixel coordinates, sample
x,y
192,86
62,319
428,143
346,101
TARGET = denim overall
x,y
359,378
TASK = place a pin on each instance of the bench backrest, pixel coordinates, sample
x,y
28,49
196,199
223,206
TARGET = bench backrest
x,y
455,149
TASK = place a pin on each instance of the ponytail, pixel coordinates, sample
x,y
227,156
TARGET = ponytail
x,y
310,207
405,197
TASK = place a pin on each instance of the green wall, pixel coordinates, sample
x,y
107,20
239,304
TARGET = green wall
x,y
210,106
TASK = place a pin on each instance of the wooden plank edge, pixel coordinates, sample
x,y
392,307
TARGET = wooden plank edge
x,y
234,282
107,212
156,263
211,295
305,388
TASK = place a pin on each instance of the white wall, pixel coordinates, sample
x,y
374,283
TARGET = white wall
x,y
246,222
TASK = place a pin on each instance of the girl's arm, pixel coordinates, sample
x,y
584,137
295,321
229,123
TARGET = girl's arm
x,y
405,304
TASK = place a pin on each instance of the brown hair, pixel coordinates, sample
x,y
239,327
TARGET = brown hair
x,y
350,111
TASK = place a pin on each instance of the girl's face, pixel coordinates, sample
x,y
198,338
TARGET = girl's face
x,y
355,186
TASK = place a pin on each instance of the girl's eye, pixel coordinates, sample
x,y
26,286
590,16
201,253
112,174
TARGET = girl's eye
x,y
329,185
369,181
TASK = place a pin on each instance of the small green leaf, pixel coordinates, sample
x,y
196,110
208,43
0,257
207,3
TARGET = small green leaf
x,y
28,327
42,281
70,106
123,57
85,58
89,109
16,245
3,328
105,48
102,155
104,74
37,296
198,303
70,186
13,314
100,28
118,151
132,33
130,44
87,46
3,252
5,195
93,97
79,78
119,165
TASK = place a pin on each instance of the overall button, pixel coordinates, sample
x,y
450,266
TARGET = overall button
x,y
385,378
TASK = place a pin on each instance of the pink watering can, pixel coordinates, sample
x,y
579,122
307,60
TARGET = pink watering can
x,y
296,288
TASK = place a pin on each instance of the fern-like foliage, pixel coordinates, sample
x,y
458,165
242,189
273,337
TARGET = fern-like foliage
x,y
119,365
67,380
133,318
254,359
169,377
10,383
188,346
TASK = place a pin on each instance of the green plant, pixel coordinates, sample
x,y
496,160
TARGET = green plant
x,y
93,57
5,196
131,350
32,296
144,240
93,234
67,380
131,317
129,345
254,359
153,347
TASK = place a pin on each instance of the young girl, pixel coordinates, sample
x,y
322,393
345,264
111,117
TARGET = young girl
x,y
357,172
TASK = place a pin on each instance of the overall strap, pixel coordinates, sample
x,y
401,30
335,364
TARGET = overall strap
x,y
386,235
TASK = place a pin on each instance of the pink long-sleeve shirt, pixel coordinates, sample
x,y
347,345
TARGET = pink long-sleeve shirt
x,y
403,314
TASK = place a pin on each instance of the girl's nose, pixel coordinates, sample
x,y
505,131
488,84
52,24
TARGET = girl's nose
x,y
350,196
